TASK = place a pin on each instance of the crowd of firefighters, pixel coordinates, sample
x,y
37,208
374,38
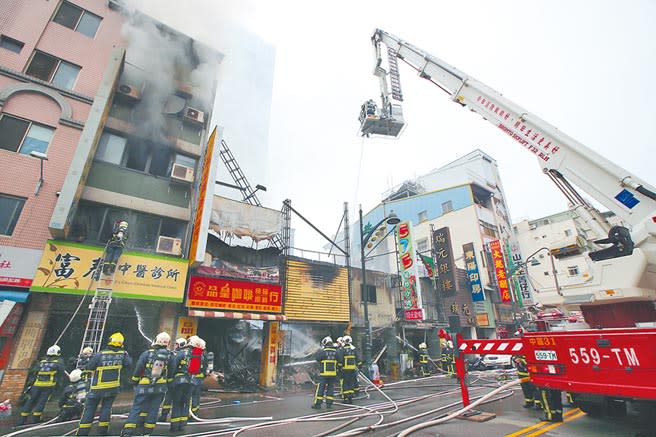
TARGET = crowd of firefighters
x,y
165,381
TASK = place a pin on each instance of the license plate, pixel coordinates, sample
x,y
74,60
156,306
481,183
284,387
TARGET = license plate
x,y
546,355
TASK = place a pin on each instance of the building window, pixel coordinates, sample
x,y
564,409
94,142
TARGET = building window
x,y
93,224
10,210
488,229
422,245
447,207
573,270
371,293
141,156
568,232
23,136
11,44
422,216
77,19
50,69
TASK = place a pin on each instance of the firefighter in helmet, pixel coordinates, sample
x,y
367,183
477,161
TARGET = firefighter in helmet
x,y
115,246
198,371
105,384
327,357
72,399
349,363
82,361
151,377
48,376
180,349
180,393
531,393
423,358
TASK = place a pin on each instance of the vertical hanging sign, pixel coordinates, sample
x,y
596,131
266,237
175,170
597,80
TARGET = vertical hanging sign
x,y
500,270
472,273
444,258
409,273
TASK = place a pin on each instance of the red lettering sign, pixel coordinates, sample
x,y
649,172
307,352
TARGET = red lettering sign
x,y
229,294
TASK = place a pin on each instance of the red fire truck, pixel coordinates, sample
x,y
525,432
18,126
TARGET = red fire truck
x,y
602,367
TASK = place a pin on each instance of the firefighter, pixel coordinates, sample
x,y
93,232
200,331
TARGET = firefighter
x,y
450,361
531,394
48,376
349,363
72,400
82,361
180,392
115,246
327,358
444,357
180,346
423,358
105,384
198,369
552,404
151,377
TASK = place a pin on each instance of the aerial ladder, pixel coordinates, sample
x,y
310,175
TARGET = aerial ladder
x,y
248,192
622,273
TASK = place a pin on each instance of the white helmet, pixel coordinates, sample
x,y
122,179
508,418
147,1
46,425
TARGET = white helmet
x,y
194,341
162,339
181,342
53,350
340,340
449,343
326,340
347,339
75,375
203,345
87,350
422,346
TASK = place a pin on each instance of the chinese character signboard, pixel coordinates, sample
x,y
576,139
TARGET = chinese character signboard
x,y
67,267
500,270
229,294
411,293
187,326
471,266
17,265
444,260
520,280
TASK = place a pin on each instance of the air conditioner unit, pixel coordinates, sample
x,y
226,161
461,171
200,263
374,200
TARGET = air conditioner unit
x,y
129,92
182,173
169,245
193,115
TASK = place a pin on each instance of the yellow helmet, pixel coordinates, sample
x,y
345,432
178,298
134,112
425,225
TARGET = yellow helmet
x,y
116,339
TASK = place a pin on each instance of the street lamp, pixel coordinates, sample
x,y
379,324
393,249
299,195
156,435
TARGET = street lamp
x,y
391,219
535,262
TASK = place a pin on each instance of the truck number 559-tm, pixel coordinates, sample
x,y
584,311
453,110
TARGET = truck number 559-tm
x,y
625,356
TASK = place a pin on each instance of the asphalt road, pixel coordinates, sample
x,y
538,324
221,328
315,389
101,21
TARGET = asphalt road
x,y
428,398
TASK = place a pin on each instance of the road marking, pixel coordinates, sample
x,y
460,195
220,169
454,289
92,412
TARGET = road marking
x,y
555,425
540,424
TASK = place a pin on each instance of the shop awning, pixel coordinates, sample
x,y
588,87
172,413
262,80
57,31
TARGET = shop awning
x,y
16,296
234,315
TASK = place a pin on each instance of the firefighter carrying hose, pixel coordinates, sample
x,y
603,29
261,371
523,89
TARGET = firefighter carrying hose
x,y
531,393
151,377
327,358
105,384
51,369
423,358
350,361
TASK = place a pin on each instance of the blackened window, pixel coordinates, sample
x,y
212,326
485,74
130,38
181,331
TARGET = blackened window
x,y
11,44
160,162
371,293
10,210
137,156
78,19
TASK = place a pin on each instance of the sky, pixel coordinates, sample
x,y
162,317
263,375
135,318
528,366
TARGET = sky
x,y
587,68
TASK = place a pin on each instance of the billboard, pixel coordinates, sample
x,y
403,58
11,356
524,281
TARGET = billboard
x,y
233,295
500,271
444,260
17,265
471,266
67,267
410,286
244,220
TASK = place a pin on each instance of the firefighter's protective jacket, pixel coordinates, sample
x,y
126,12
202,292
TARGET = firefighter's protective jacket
x,y
327,358
50,371
108,364
154,370
181,359
351,359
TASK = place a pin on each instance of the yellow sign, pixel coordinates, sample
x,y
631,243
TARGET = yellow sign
x,y
187,326
67,268
202,193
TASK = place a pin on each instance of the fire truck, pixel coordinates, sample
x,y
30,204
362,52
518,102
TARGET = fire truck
x,y
615,363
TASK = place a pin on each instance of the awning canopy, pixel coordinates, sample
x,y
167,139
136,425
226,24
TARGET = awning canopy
x,y
234,315
16,296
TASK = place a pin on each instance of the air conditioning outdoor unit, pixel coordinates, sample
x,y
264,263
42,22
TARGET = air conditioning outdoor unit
x,y
193,115
169,245
129,92
182,173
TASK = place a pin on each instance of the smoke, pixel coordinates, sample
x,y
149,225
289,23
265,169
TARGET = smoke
x,y
162,59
